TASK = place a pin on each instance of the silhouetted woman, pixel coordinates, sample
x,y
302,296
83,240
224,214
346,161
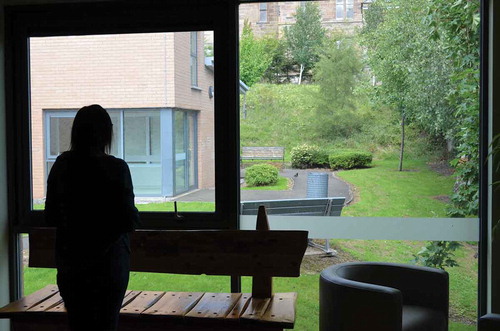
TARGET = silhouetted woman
x,y
90,200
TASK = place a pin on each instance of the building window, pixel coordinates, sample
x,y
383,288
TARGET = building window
x,y
345,9
137,138
262,12
194,59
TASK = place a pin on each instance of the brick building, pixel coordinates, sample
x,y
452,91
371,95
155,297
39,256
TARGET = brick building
x,y
157,89
272,17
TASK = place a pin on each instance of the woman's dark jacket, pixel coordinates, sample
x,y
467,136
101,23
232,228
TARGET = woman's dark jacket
x,y
90,200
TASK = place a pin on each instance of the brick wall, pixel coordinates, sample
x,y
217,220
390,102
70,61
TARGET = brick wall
x,y
115,71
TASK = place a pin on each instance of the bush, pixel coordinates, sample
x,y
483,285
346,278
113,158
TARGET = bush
x,y
350,160
261,175
308,156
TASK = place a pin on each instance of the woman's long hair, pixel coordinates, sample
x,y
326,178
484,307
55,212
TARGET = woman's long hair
x,y
92,131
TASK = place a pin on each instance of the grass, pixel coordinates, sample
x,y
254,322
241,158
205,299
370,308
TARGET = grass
x,y
383,191
282,185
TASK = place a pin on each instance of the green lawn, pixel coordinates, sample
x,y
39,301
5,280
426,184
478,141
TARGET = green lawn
x,y
282,185
383,191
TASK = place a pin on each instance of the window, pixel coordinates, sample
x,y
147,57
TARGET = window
x,y
137,138
141,75
262,12
344,9
194,59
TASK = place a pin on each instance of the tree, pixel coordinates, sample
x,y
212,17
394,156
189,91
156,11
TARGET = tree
x,y
413,69
337,73
305,37
254,57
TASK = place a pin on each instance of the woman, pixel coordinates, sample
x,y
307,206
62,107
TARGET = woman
x,y
90,200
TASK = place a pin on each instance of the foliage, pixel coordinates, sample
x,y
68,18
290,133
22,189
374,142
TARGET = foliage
x,y
281,62
305,37
337,74
438,254
255,57
289,114
261,175
457,26
425,53
350,160
308,156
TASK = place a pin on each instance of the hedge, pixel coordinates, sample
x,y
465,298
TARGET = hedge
x,y
350,160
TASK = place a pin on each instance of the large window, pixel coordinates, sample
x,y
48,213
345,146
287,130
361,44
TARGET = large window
x,y
166,130
122,72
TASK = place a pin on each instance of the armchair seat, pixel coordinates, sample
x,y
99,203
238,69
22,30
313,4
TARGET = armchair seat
x,y
364,296
418,318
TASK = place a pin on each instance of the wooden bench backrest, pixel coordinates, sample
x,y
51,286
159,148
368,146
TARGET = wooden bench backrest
x,y
262,152
211,252
305,207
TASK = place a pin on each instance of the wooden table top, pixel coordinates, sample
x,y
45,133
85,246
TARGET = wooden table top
x,y
279,310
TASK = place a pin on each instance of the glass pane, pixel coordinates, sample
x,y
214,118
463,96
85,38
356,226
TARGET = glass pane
x,y
181,144
116,144
155,135
60,134
340,10
135,78
191,148
135,129
350,11
300,122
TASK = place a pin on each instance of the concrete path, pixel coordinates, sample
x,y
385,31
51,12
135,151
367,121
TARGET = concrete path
x,y
336,188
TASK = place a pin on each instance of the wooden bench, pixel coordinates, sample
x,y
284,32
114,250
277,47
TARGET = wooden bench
x,y
257,253
331,206
263,153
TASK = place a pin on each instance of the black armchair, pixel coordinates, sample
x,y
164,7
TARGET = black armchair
x,y
489,322
383,296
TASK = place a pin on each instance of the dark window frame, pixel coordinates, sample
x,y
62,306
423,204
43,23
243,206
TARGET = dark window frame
x,y
152,17
23,22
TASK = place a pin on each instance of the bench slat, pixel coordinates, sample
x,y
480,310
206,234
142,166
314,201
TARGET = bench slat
x,y
240,306
129,296
214,305
174,304
141,302
47,304
25,303
256,308
281,309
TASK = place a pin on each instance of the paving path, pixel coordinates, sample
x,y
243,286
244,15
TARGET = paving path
x,y
336,188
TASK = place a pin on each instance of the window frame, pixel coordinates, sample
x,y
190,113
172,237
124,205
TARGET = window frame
x,y
19,23
23,22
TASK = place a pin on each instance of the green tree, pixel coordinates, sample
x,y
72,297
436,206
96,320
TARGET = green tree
x,y
413,69
305,37
337,73
254,56
458,26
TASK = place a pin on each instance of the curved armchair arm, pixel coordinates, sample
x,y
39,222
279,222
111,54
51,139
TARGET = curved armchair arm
x,y
421,286
489,322
351,305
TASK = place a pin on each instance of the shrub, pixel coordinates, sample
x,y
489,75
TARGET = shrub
x,y
350,160
308,156
261,175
